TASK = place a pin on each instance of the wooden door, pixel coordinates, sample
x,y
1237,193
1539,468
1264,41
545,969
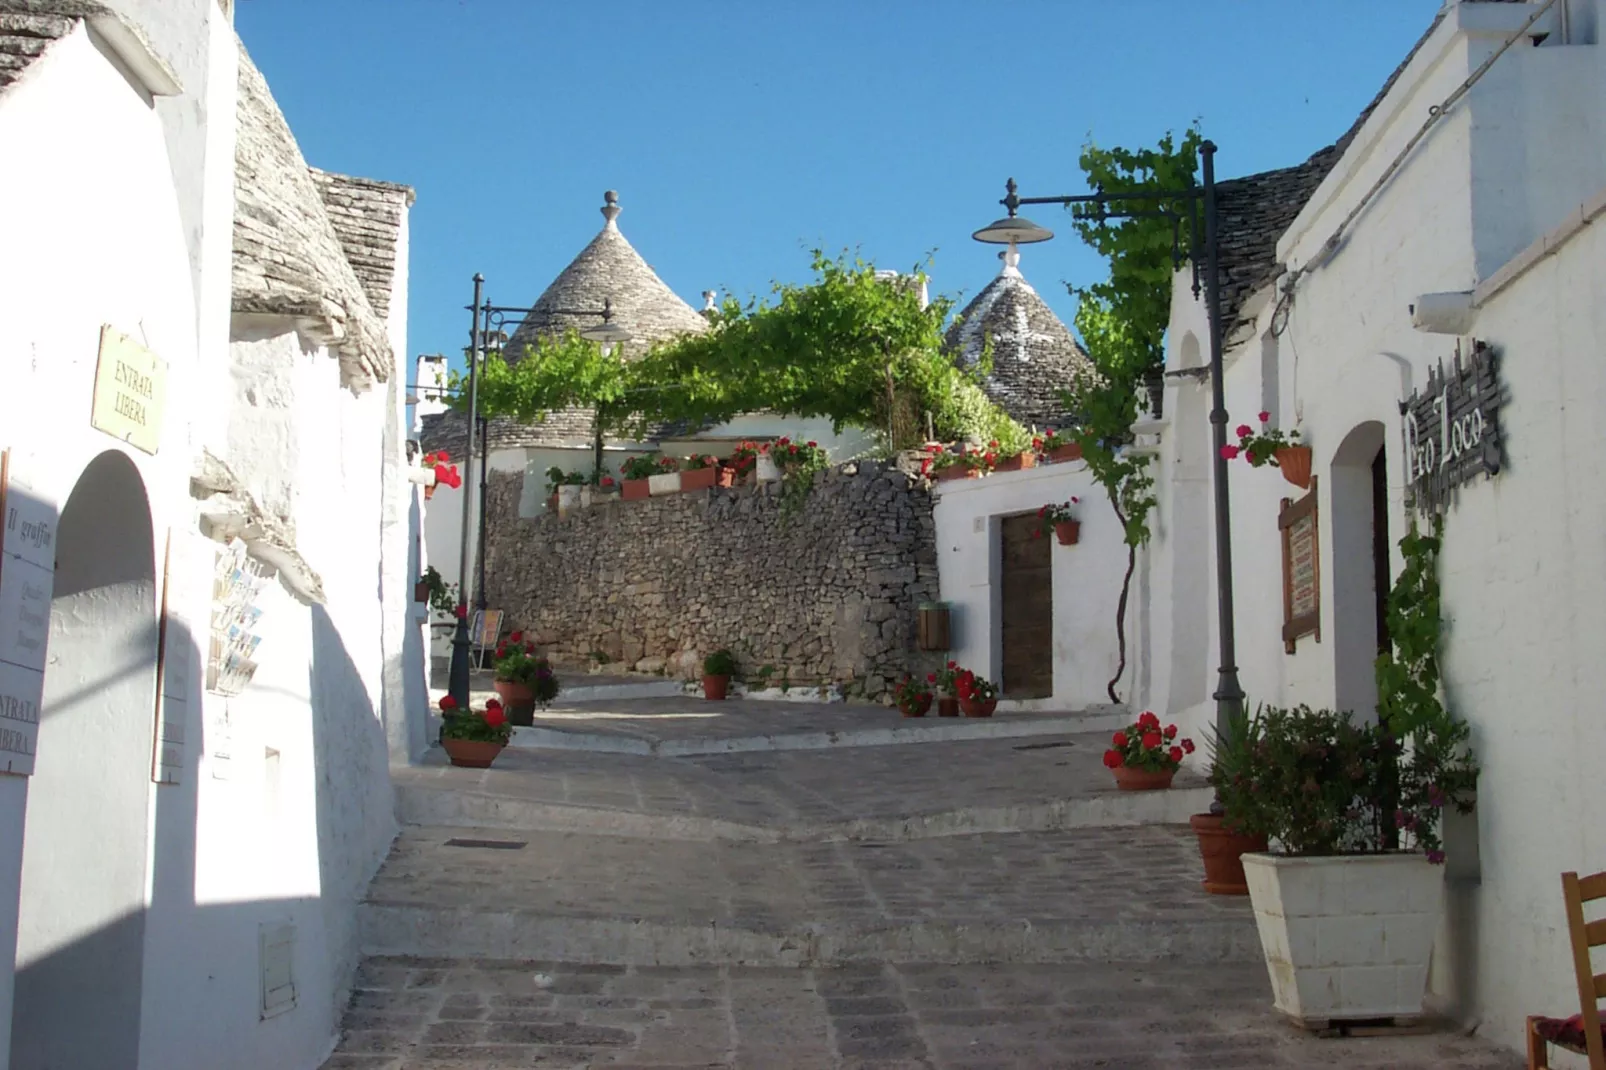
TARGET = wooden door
x,y
1028,610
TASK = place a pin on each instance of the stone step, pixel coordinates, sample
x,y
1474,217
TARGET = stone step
x,y
1095,895
418,805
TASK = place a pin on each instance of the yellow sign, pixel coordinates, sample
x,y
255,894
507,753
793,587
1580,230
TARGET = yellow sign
x,y
130,391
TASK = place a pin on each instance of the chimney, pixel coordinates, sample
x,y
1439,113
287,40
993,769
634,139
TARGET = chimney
x,y
710,304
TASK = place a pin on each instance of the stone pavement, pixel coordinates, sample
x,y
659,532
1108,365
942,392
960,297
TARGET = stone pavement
x,y
975,903
444,1014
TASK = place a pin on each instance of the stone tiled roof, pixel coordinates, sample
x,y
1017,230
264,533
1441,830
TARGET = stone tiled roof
x,y
1035,356
367,216
609,268
288,259
28,28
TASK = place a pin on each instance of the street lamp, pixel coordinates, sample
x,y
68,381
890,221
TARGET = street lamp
x,y
1014,229
486,328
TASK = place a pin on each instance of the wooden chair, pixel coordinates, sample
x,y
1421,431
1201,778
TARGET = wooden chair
x,y
1580,1033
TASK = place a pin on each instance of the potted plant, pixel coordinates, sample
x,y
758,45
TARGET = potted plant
x,y
636,473
1012,460
1222,839
967,463
431,586
977,697
718,668
744,462
473,738
765,467
1270,446
523,680
1061,520
1354,816
946,680
913,699
698,472
445,473
1144,756
1056,447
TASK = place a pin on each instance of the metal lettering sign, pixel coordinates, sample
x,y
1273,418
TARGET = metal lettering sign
x,y
1452,428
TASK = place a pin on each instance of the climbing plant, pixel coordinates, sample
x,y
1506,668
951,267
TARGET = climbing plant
x,y
855,348
1122,323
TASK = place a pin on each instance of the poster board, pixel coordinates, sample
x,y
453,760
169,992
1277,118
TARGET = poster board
x,y
27,582
1299,525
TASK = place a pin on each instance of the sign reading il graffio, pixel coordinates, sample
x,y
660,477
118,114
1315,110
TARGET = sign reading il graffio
x,y
130,391
1452,428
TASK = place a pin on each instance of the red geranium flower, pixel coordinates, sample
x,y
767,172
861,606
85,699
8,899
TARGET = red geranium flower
x,y
1230,452
494,716
1187,746
1170,731
813,444
953,664
516,637
931,677
447,702
529,648
1113,759
461,612
493,703
1148,720
1119,742
443,457
1151,741
1244,430
1175,753
1265,417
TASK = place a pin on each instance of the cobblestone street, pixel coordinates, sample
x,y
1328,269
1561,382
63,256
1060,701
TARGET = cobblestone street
x,y
974,903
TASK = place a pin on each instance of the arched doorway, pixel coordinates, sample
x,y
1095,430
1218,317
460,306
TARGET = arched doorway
x,y
1361,574
81,931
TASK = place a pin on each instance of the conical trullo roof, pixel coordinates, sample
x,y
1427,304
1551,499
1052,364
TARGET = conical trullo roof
x,y
1035,356
609,269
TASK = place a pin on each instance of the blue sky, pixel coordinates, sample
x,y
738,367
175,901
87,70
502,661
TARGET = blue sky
x,y
741,134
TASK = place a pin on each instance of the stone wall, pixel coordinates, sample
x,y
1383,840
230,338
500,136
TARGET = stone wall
x,y
827,595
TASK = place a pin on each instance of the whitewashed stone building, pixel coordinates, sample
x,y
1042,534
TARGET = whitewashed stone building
x,y
1425,232
201,682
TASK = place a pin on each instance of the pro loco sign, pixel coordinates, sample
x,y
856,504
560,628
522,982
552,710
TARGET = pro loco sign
x,y
1452,428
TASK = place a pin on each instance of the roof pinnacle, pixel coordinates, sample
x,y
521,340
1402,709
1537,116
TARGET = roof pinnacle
x,y
610,209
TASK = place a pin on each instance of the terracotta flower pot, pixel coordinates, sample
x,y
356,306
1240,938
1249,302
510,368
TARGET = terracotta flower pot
x,y
1024,459
471,753
429,492
1068,532
917,708
975,708
1223,852
714,687
1071,452
1128,778
726,477
947,706
1294,461
956,471
698,478
518,701
421,591
634,489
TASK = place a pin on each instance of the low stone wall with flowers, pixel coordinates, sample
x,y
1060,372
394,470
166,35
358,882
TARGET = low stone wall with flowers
x,y
825,594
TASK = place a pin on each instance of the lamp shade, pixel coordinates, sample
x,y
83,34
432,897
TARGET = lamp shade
x,y
1012,230
606,331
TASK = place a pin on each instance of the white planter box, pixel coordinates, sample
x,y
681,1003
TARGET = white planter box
x,y
568,499
1348,936
668,483
765,470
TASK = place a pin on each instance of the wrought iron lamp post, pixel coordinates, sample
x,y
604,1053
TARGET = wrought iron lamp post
x,y
1197,201
488,321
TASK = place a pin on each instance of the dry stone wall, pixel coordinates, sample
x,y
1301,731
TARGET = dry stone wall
x,y
825,595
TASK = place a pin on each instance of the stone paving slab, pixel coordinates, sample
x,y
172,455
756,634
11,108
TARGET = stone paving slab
x,y
905,792
449,1014
1116,894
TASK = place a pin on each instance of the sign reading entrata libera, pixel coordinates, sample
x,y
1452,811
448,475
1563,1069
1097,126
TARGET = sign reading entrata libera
x,y
130,391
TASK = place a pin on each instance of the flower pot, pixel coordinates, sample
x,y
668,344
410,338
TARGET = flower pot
x,y
1346,936
1130,778
667,483
421,591
1068,532
1223,852
976,708
471,753
1294,461
568,499
714,687
917,708
518,701
429,492
726,477
552,502
633,490
698,478
947,706
956,471
1025,459
765,470
1069,452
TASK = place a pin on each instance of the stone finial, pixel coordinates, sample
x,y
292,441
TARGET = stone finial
x,y
709,302
1011,259
610,208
